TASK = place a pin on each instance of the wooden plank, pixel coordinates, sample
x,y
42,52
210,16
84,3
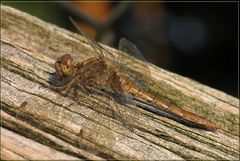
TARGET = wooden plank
x,y
28,51
27,149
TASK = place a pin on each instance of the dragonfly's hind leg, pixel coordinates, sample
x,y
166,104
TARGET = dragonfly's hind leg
x,y
86,86
84,91
67,91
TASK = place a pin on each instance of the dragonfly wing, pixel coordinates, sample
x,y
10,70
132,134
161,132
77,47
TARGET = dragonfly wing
x,y
94,45
93,130
129,65
131,49
96,132
93,136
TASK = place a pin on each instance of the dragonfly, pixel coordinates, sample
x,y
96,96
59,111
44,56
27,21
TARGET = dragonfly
x,y
98,71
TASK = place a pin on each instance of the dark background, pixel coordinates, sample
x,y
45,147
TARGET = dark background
x,y
197,40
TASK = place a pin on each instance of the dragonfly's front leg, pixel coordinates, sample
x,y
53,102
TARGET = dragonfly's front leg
x,y
63,87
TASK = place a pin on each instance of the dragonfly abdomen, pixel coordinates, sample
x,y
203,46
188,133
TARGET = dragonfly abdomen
x,y
129,86
200,121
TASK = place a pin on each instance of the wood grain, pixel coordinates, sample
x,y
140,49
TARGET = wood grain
x,y
48,122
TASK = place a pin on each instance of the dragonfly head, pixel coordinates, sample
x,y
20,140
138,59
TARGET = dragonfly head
x,y
65,66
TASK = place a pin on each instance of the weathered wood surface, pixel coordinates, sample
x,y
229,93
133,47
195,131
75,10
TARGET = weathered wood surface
x,y
21,145
52,122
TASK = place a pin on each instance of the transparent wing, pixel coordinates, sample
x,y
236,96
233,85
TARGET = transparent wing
x,y
96,47
129,48
141,70
93,130
96,128
92,135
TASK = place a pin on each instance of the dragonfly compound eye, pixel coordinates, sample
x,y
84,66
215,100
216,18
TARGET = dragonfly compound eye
x,y
65,66
58,69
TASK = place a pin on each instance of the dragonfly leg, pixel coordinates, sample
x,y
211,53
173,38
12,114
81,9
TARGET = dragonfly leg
x,y
87,85
67,90
84,91
86,88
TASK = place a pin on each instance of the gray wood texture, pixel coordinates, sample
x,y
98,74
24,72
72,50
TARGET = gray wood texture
x,y
51,125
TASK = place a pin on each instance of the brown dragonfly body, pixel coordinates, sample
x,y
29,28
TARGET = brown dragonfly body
x,y
97,71
92,70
